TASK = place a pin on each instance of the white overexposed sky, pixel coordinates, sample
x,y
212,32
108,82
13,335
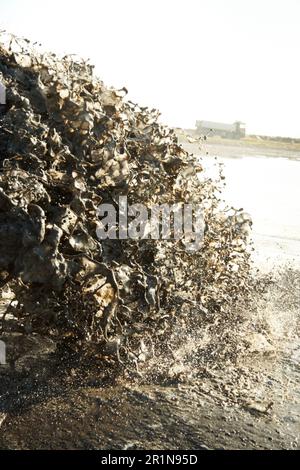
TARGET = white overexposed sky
x,y
221,60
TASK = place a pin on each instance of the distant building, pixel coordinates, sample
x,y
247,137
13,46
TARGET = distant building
x,y
233,131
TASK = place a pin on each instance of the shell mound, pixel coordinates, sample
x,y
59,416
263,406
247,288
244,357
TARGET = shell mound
x,y
67,144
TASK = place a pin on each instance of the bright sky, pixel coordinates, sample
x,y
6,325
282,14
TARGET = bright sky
x,y
220,60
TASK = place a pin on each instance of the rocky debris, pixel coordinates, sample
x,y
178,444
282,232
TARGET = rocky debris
x,y
259,407
2,418
259,344
67,144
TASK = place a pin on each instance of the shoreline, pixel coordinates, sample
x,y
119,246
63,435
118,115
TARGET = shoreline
x,y
240,148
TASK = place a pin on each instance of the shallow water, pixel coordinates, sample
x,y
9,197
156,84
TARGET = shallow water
x,y
268,188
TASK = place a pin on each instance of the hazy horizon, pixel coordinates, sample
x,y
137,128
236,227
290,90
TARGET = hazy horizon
x,y
193,60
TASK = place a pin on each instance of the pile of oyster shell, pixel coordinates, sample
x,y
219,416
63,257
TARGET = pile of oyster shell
x,y
68,143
